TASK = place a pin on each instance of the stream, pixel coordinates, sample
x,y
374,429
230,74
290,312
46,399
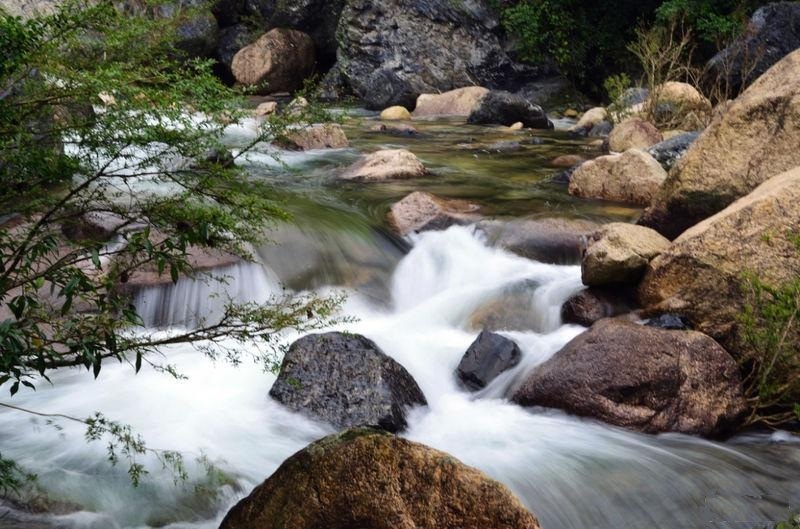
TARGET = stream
x,y
416,299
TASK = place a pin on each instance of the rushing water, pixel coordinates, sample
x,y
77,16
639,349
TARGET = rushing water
x,y
416,300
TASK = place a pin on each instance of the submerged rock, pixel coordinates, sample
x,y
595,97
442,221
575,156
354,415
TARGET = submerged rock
x,y
368,479
422,211
346,380
752,140
488,356
503,108
553,240
388,164
279,61
639,377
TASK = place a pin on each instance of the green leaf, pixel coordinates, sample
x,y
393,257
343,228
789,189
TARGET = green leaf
x,y
138,361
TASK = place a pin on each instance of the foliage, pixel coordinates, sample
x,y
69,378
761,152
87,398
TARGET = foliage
x,y
104,122
616,86
771,326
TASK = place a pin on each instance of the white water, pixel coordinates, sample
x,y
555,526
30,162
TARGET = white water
x,y
570,472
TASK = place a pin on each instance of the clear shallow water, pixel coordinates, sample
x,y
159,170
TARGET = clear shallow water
x,y
417,306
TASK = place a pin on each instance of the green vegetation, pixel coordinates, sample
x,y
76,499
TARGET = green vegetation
x,y
589,40
771,325
102,119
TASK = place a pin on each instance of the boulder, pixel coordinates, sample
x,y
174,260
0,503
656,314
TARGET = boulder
x,y
633,133
384,51
567,160
589,120
459,102
701,275
601,130
388,164
504,108
318,136
669,151
632,97
633,178
266,109
642,378
553,240
772,34
396,130
422,211
509,310
395,113
279,61
683,96
596,303
619,254
514,127
369,479
751,140
345,380
488,356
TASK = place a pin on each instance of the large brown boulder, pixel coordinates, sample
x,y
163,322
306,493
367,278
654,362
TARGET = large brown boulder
x,y
754,139
596,303
318,136
279,61
619,254
701,275
643,378
422,211
388,164
633,133
371,480
633,178
459,102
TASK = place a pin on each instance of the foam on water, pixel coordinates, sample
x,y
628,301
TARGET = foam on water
x,y
570,472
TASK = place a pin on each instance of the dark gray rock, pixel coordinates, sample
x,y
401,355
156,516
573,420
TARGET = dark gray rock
x,y
668,152
390,51
601,130
643,378
504,108
773,33
596,303
633,96
346,380
565,176
488,356
673,322
547,240
231,40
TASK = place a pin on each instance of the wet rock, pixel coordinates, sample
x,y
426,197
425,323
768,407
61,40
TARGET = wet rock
x,y
642,378
601,130
596,303
589,120
389,164
496,147
422,211
220,157
564,177
510,310
750,141
97,226
345,380
265,109
619,253
673,322
395,113
488,356
634,177
701,275
669,151
772,34
459,102
553,240
384,51
279,61
567,160
504,108
371,480
396,130
633,97
318,136
633,133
